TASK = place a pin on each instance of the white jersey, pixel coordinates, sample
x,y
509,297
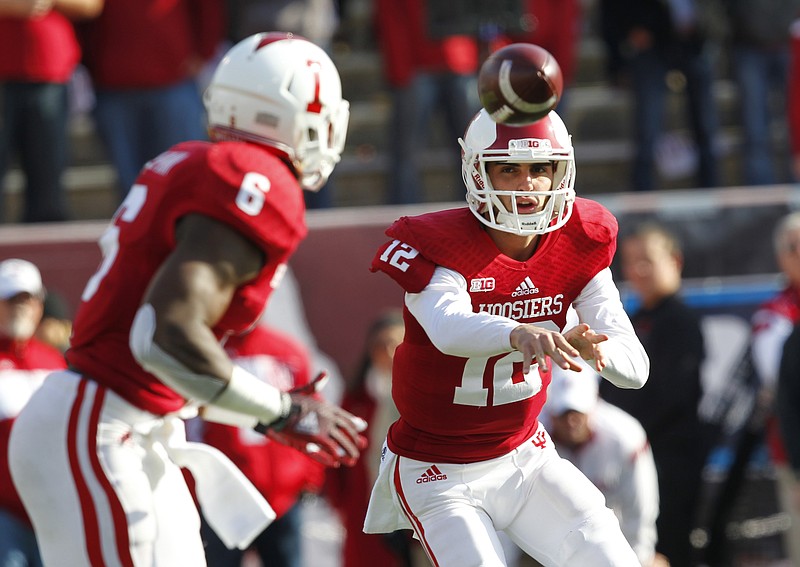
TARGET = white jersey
x,y
618,460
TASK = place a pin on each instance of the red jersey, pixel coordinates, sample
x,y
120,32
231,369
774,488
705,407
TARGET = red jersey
x,y
407,48
794,91
23,366
279,472
150,43
41,49
456,409
348,490
236,183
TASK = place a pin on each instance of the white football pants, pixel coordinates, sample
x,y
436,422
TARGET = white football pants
x,y
96,482
542,502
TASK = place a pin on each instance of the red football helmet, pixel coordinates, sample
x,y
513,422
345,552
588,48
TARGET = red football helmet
x,y
546,140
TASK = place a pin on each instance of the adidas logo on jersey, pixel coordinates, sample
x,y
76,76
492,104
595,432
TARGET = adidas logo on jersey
x,y
431,475
526,287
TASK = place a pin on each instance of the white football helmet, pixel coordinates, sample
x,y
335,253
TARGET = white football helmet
x,y
546,140
282,91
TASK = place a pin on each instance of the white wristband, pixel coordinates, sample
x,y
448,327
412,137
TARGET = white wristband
x,y
246,394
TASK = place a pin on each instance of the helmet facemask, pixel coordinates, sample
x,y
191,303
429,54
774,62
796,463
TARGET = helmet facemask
x,y
320,145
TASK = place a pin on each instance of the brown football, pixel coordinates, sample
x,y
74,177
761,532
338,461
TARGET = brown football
x,y
519,84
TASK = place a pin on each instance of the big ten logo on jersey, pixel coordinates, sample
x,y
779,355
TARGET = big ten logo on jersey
x,y
481,284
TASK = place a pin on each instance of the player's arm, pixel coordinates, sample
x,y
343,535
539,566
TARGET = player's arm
x,y
444,309
172,336
438,298
621,359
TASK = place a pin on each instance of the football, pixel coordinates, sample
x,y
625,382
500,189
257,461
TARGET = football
x,y
519,84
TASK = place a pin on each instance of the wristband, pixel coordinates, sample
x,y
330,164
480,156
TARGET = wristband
x,y
281,422
246,394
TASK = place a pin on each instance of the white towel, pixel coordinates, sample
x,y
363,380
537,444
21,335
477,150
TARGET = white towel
x,y
383,513
233,507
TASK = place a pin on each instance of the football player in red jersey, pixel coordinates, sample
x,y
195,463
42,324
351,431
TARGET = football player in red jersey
x,y
190,257
488,288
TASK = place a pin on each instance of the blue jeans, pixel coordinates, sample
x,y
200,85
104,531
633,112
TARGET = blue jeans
x,y
413,108
138,124
17,543
279,545
760,74
648,72
34,125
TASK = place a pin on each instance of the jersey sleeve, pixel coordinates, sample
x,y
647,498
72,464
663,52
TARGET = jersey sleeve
x,y
444,310
599,305
599,228
251,190
404,264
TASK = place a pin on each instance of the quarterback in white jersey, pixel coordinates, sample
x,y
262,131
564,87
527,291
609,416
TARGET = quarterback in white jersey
x,y
488,288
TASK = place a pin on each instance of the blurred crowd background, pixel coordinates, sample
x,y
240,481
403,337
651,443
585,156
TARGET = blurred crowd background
x,y
659,94
685,115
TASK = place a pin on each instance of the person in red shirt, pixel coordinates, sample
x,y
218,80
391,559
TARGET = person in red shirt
x,y
190,259
793,98
24,362
143,57
424,74
38,54
488,290
369,396
281,474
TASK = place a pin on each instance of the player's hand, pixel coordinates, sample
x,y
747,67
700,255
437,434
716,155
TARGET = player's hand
x,y
539,343
312,387
587,343
323,431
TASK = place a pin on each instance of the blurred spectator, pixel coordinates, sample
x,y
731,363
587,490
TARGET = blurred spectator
x,y
39,54
760,51
428,77
772,324
655,38
610,447
315,20
281,473
667,406
56,325
788,414
794,99
24,363
556,26
143,57
369,396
